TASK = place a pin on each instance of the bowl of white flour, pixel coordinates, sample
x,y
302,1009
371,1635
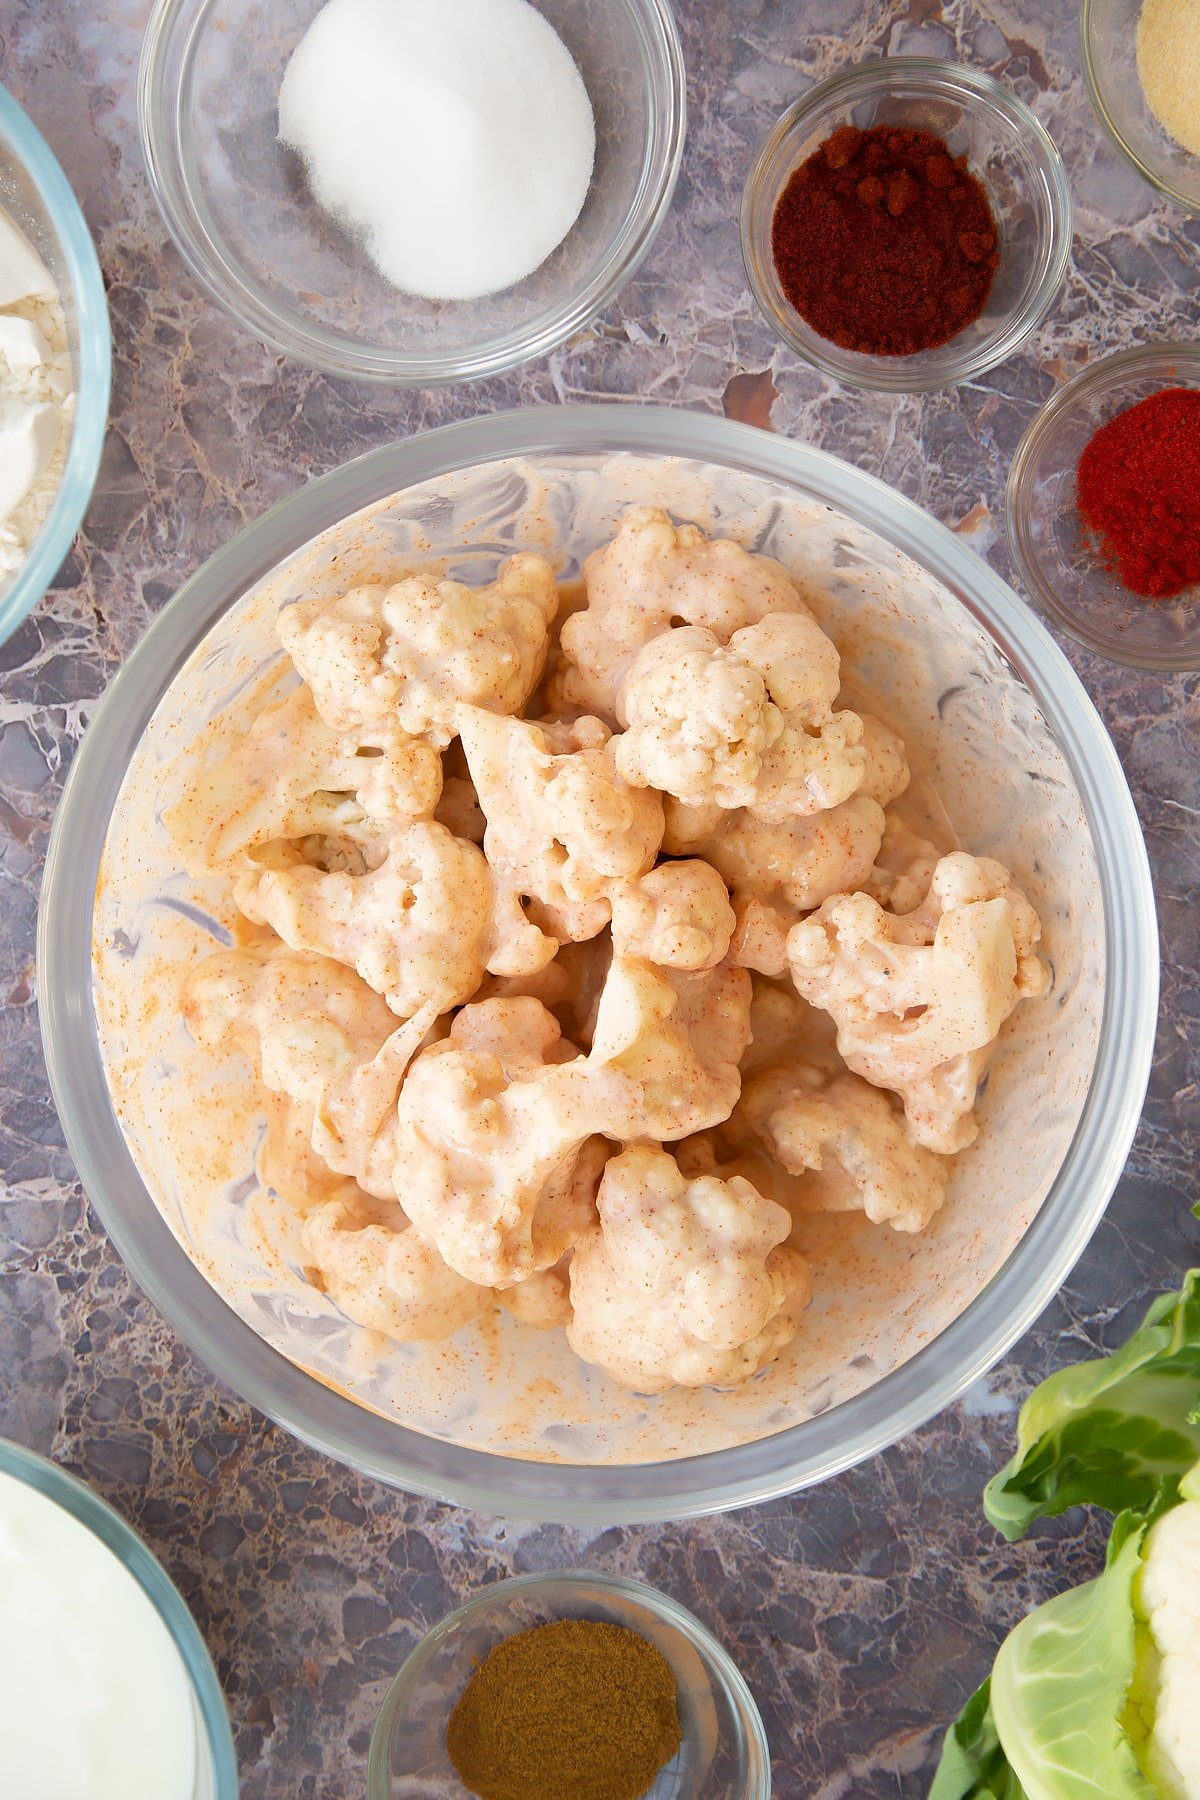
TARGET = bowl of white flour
x,y
55,353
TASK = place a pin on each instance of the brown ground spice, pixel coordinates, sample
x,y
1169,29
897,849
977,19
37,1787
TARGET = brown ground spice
x,y
576,1710
884,242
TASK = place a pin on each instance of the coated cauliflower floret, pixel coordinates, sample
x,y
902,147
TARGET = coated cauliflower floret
x,y
650,576
542,1300
562,827
493,1154
389,924
748,724
390,1280
314,1029
678,915
665,1050
292,776
683,1283
848,1140
419,650
903,868
919,999
1167,1599
797,864
887,773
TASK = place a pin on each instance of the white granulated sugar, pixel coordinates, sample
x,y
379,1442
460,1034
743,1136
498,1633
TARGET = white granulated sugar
x,y
37,404
455,136
1168,62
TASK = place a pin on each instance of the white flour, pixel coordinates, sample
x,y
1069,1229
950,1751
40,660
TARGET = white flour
x,y
35,373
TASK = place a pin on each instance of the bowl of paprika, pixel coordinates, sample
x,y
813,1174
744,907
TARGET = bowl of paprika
x,y
906,225
1103,507
563,1683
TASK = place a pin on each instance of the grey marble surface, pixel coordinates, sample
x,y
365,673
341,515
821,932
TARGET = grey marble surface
x,y
864,1612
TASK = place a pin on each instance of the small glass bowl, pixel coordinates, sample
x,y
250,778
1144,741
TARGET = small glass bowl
x,y
38,198
1008,151
239,208
216,1767
724,1754
1066,575
1108,51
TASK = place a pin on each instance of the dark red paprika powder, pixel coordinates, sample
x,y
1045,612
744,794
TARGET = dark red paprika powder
x,y
1138,493
884,241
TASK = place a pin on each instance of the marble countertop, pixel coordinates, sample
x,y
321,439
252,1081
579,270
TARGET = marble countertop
x,y
864,1612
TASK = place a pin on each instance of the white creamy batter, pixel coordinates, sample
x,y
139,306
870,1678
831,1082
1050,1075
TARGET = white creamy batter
x,y
94,1699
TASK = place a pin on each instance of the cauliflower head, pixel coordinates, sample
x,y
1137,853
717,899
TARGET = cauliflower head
x,y
1167,1601
419,650
683,1283
391,1280
389,924
751,723
493,1155
919,999
651,575
848,1140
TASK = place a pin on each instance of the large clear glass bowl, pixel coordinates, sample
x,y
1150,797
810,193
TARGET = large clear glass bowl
x,y
723,1756
216,1767
38,197
1008,652
239,209
1008,150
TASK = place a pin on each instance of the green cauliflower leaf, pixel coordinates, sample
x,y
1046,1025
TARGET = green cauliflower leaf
x,y
1108,1432
973,1765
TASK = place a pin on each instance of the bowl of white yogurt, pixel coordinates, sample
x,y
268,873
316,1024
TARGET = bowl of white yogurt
x,y
55,365
92,1629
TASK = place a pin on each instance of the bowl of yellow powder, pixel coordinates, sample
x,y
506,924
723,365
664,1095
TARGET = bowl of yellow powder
x,y
1141,61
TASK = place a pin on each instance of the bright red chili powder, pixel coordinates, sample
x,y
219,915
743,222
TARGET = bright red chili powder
x,y
1138,493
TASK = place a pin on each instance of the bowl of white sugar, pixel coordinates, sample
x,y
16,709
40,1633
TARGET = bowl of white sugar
x,y
92,1631
55,353
413,191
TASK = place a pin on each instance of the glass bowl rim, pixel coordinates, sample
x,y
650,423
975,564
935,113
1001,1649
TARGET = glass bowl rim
x,y
663,1606
943,76
589,1492
1095,92
57,531
105,1523
1142,357
245,300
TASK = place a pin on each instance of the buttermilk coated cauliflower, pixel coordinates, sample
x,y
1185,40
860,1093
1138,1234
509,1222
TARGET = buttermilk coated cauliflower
x,y
293,776
388,1277
562,828
848,1140
683,1283
488,966
919,999
751,723
651,576
418,651
665,1049
493,1158
389,923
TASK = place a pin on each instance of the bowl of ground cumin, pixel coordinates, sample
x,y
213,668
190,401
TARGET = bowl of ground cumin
x,y
906,225
569,1684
